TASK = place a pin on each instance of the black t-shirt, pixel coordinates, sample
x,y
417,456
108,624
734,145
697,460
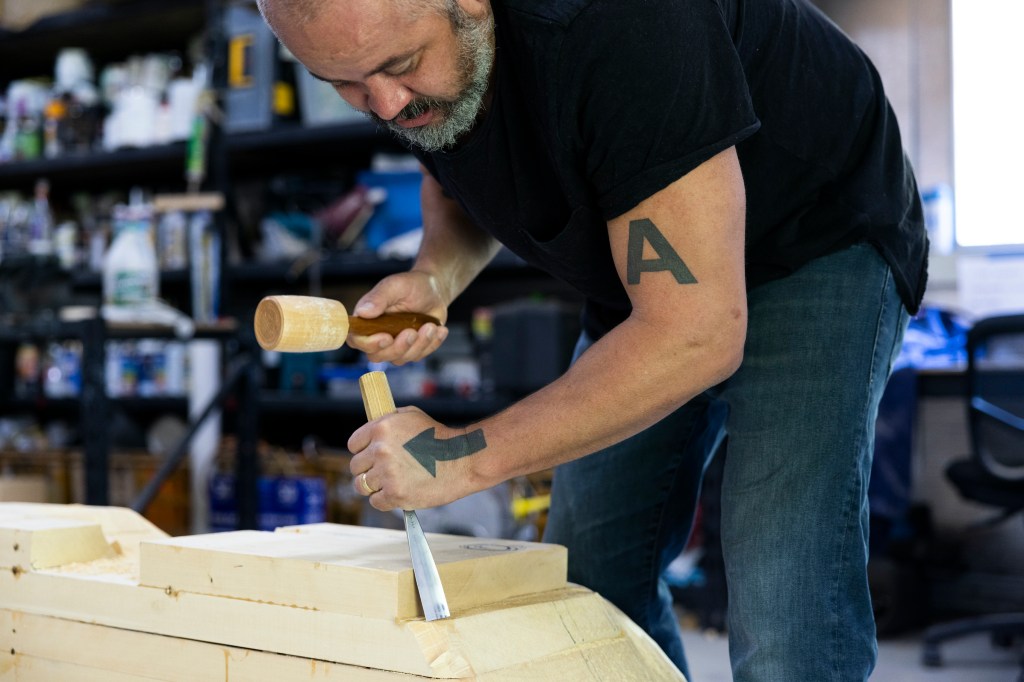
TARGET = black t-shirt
x,y
598,104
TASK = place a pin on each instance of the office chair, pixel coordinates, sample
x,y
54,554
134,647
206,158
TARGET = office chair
x,y
993,474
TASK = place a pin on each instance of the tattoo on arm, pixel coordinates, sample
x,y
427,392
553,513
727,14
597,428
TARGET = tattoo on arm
x,y
644,230
428,449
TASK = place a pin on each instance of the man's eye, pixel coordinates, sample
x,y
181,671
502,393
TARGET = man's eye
x,y
401,69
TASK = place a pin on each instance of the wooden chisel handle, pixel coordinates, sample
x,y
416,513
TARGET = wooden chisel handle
x,y
308,324
377,398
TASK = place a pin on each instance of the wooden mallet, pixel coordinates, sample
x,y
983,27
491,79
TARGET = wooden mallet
x,y
308,324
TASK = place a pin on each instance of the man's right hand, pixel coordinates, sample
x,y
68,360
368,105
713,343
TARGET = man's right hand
x,y
408,292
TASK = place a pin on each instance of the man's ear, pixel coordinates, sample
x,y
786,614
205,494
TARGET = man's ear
x,y
477,9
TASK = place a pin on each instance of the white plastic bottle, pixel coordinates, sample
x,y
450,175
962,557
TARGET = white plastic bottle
x,y
131,274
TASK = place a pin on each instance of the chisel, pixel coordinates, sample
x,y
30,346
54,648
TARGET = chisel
x,y
378,402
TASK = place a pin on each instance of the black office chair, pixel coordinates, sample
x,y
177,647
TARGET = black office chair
x,y
994,472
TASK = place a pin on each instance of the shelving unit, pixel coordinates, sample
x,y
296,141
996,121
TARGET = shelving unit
x,y
335,151
94,405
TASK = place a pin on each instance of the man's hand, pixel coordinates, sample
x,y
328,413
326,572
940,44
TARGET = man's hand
x,y
414,292
407,460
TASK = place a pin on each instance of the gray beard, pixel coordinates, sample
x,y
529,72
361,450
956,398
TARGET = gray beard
x,y
453,118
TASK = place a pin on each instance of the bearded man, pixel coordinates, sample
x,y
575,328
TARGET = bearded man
x,y
724,182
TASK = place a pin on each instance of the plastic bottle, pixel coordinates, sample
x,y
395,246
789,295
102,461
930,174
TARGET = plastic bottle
x,y
53,116
131,275
937,201
28,142
41,222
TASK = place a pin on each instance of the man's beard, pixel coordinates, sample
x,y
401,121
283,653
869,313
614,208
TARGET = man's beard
x,y
453,118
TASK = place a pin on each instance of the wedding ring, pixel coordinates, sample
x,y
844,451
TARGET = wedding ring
x,y
365,484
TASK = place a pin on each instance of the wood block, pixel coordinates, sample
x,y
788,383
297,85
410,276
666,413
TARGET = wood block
x,y
123,528
45,543
349,569
115,521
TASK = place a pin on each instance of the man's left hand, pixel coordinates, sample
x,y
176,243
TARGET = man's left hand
x,y
407,460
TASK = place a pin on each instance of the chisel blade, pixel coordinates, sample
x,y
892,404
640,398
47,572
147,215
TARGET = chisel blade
x,y
428,581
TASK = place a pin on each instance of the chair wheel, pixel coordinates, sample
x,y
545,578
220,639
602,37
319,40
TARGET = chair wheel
x,y
932,657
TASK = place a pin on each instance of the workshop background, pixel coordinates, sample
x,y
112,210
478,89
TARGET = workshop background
x,y
166,164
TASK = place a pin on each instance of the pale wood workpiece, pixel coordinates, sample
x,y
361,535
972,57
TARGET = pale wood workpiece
x,y
94,619
349,569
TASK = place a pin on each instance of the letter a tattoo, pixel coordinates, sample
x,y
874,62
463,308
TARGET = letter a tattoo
x,y
644,230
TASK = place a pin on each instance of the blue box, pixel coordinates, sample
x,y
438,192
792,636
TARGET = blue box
x,y
283,501
399,212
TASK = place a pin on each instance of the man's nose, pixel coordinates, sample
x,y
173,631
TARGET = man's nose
x,y
386,97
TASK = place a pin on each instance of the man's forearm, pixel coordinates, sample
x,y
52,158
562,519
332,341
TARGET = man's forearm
x,y
454,250
624,383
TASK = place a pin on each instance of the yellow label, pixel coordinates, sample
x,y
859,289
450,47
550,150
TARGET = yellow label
x,y
284,99
240,61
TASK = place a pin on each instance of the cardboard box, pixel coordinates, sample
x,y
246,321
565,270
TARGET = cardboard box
x,y
19,14
24,489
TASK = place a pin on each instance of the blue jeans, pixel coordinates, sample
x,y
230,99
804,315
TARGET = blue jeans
x,y
800,416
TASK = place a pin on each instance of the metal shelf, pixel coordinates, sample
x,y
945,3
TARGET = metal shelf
x,y
98,165
299,136
72,405
63,330
107,31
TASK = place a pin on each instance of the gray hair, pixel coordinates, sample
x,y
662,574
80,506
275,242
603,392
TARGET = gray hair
x,y
305,11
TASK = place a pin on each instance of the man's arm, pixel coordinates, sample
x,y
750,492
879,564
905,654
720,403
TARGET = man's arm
x,y
452,254
680,255
454,250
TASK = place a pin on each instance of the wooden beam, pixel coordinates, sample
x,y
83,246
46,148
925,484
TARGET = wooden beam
x,y
349,569
491,638
88,651
133,654
30,669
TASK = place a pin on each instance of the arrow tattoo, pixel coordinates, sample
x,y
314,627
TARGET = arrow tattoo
x,y
428,449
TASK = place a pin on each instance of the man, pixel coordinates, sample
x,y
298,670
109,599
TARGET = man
x,y
724,181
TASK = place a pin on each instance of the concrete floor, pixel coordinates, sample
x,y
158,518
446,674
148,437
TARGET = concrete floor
x,y
971,659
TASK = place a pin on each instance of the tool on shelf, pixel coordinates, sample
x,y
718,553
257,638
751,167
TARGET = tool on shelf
x,y
309,324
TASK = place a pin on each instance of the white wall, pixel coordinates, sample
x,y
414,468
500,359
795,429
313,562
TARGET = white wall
x,y
909,41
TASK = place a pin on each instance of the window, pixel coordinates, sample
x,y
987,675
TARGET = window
x,y
988,131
